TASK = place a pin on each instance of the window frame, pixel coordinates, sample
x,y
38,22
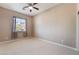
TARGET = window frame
x,y
14,24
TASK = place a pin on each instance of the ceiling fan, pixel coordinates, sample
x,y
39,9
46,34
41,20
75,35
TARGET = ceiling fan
x,y
31,6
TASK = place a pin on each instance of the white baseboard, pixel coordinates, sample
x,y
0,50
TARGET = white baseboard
x,y
12,40
7,41
51,42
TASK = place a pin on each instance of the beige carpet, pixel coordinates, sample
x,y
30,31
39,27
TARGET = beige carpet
x,y
33,46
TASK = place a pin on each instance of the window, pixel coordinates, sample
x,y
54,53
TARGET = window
x,y
20,24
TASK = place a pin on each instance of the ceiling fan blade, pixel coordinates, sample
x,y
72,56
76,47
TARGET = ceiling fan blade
x,y
36,8
29,4
35,3
30,10
25,7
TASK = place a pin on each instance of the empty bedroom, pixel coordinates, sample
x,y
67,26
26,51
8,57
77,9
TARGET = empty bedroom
x,y
39,29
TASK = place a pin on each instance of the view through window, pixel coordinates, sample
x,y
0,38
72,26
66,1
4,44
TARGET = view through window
x,y
20,24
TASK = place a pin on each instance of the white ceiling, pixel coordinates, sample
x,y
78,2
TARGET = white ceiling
x,y
18,7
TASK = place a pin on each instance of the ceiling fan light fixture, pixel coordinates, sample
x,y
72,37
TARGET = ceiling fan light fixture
x,y
30,7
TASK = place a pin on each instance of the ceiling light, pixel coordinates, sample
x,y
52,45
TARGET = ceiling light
x,y
30,7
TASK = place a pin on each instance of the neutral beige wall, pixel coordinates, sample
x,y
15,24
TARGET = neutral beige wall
x,y
5,23
57,24
77,28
